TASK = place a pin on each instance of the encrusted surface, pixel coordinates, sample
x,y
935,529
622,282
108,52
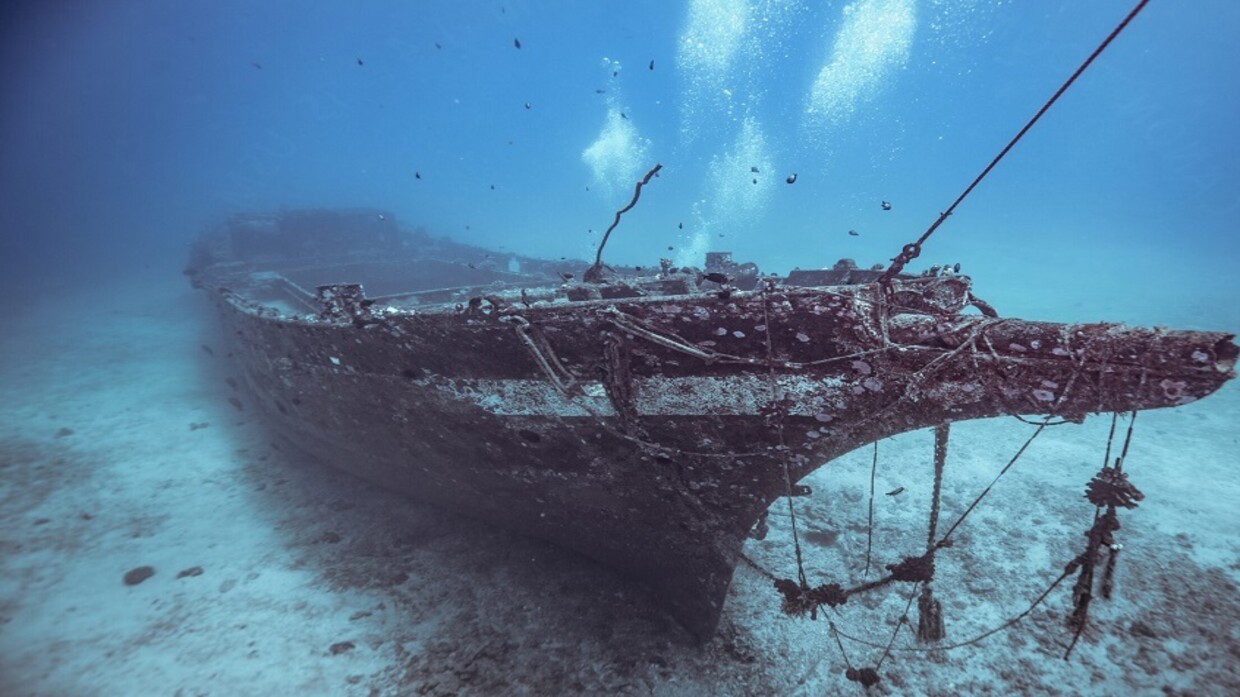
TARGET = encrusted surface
x,y
651,432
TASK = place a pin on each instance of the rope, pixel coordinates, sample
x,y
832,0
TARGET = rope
x,y
943,542
836,633
984,635
930,612
776,407
1045,422
913,250
756,566
941,435
1023,420
896,632
1106,458
1119,464
869,528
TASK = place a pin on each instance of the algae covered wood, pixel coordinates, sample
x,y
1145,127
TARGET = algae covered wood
x,y
645,422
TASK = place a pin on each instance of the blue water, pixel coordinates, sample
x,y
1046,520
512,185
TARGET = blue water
x,y
128,126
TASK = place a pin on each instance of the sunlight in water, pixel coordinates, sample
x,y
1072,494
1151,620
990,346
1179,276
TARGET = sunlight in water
x,y
874,40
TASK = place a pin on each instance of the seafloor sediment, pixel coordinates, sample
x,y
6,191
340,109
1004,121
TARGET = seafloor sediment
x,y
119,448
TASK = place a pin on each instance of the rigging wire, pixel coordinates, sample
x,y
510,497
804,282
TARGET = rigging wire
x,y
913,249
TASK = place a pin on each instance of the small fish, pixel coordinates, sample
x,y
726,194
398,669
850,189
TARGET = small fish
x,y
471,266
652,64
206,348
680,226
417,175
257,66
854,233
359,62
528,105
624,116
792,178
615,73
492,187
438,45
956,267
637,268
236,403
382,217
755,181
754,169
670,247
516,42
600,91
896,491
716,277
566,276
886,205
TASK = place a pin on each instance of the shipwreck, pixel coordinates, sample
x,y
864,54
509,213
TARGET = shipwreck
x,y
649,417
646,419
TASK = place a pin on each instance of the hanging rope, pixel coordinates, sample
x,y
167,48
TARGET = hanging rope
x,y
946,541
929,610
775,412
913,250
869,528
1100,539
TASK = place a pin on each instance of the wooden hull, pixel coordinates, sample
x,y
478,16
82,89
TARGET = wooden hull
x,y
651,433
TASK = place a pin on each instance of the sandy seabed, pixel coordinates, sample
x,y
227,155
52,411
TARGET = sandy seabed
x,y
274,574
